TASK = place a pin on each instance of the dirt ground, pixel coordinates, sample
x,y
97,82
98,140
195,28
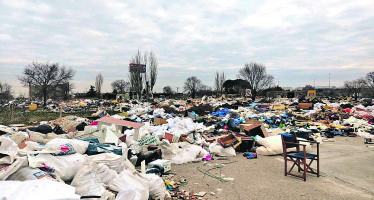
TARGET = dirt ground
x,y
346,166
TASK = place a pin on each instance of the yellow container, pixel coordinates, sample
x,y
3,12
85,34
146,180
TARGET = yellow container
x,y
279,107
33,107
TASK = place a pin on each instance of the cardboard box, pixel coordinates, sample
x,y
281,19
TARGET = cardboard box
x,y
159,121
249,122
305,105
256,129
166,164
252,121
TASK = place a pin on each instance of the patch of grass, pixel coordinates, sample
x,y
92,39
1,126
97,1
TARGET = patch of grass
x,y
22,116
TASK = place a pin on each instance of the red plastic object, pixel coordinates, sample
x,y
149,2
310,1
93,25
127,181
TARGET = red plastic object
x,y
169,137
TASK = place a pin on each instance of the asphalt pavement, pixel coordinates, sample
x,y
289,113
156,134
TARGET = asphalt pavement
x,y
346,173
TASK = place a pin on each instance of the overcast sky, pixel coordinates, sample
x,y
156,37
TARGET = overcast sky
x,y
298,41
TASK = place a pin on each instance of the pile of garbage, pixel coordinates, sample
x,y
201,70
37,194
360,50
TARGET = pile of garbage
x,y
130,155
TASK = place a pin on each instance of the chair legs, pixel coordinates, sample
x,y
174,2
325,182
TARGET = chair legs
x,y
285,166
318,166
304,162
305,168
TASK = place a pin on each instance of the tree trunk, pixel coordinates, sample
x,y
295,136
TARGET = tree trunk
x,y
45,97
254,95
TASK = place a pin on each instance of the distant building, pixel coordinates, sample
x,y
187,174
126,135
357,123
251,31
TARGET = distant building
x,y
287,88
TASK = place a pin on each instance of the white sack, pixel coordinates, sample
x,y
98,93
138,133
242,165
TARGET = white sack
x,y
157,189
28,174
87,183
113,161
130,186
61,146
64,167
273,146
8,147
37,190
31,147
10,169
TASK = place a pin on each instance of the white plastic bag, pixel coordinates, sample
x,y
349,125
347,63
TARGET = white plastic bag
x,y
64,167
166,150
87,183
189,153
157,189
218,150
130,186
37,190
9,148
113,161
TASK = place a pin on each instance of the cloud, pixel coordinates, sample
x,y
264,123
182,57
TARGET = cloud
x,y
294,39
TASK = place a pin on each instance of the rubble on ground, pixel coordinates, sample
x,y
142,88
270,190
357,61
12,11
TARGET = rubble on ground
x,y
104,157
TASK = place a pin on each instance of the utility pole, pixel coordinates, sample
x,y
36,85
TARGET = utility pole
x,y
314,82
329,80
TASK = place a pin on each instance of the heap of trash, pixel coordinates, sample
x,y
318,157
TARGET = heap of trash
x,y
130,155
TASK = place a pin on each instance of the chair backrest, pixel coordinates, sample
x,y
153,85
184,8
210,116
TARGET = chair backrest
x,y
289,138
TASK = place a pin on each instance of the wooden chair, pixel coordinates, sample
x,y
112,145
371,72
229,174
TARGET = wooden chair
x,y
301,159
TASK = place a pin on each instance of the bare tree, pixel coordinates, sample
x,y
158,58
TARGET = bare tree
x,y
121,86
136,79
45,76
5,92
222,80
369,81
354,87
167,89
153,70
192,85
99,83
255,74
218,82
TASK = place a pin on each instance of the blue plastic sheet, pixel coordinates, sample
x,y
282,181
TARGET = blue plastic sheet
x,y
221,113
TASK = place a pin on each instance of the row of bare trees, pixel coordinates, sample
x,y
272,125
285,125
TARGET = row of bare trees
x,y
355,87
47,76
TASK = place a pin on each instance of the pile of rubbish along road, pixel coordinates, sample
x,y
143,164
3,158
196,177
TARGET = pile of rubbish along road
x,y
130,155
